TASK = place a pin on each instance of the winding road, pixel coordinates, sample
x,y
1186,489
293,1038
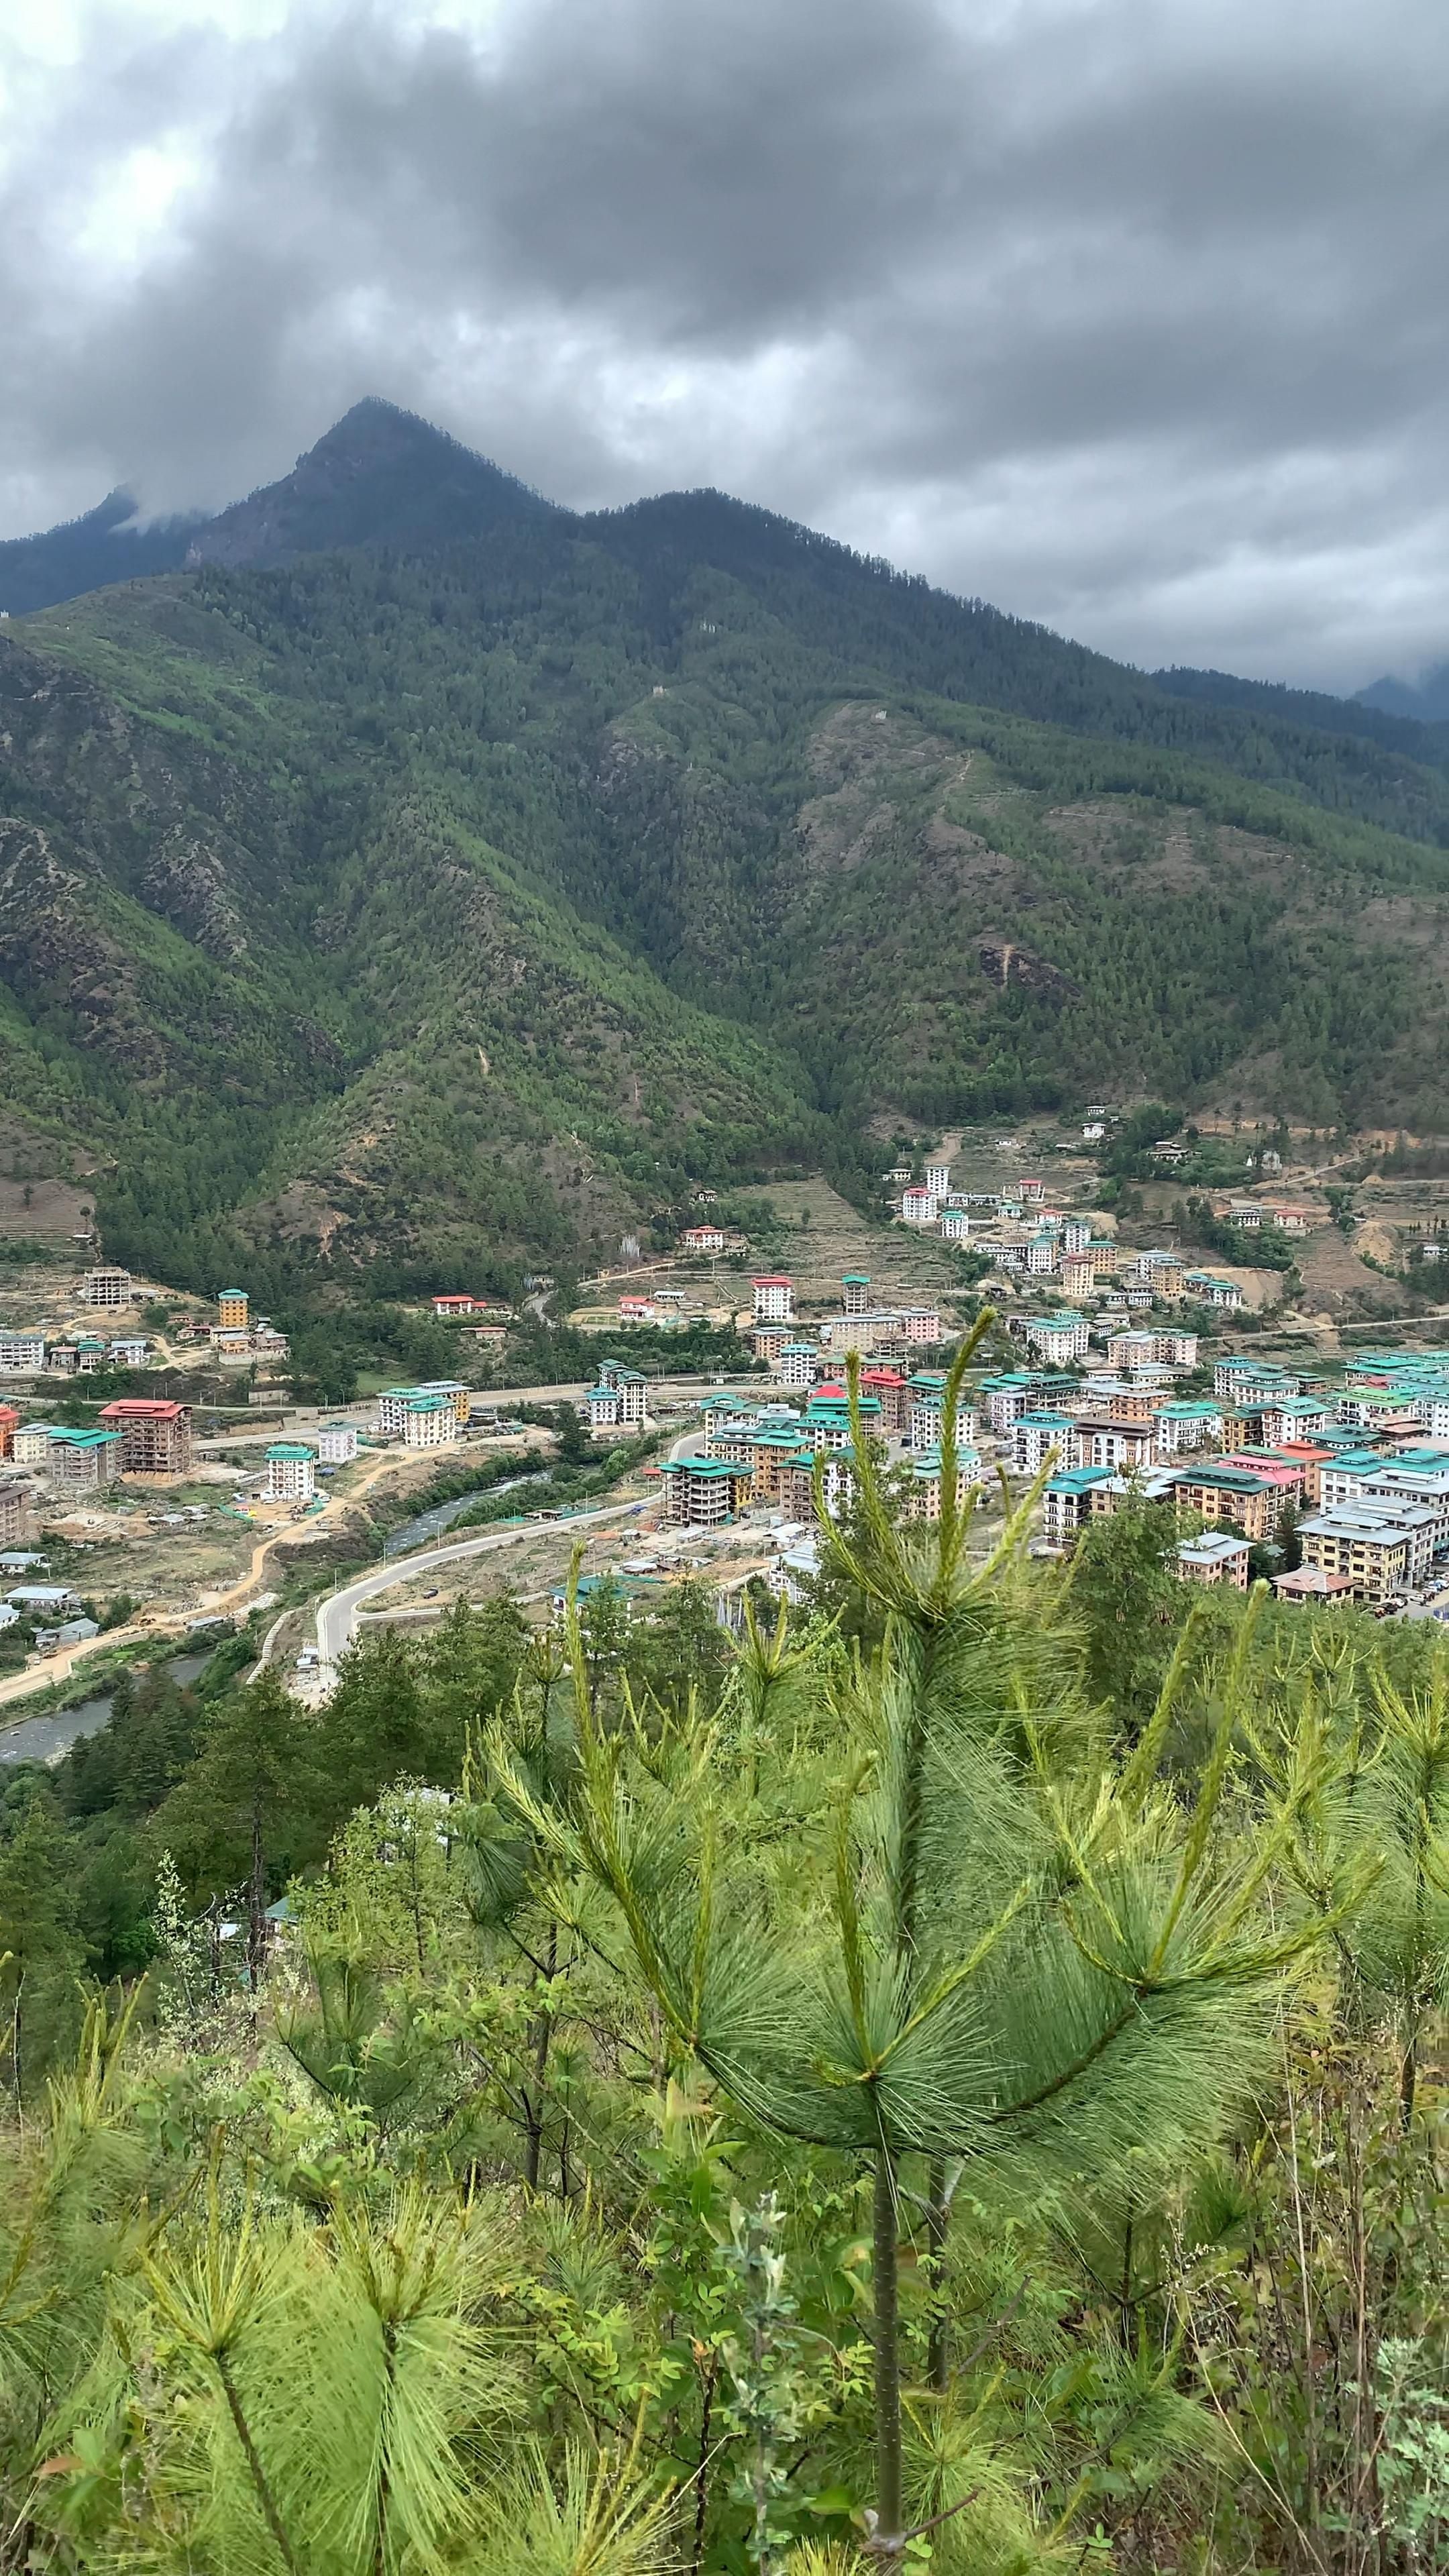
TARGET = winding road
x,y
337,1615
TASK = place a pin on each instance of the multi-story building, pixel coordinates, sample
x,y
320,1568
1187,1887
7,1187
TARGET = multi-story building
x,y
923,1497
429,1421
1100,1441
1216,1557
1249,1503
82,1462
233,1307
768,1341
1035,1436
291,1472
703,1493
774,1299
1057,1339
769,1451
1008,1397
1079,1275
926,1416
1382,1548
62,1359
155,1435
106,1287
632,1388
602,1407
956,1225
14,1504
336,1444
9,1425
21,1354
1067,1503
892,1394
855,1292
918,1324
1251,1381
917,1206
1187,1425
796,1363
30,1444
129,1350
702,1238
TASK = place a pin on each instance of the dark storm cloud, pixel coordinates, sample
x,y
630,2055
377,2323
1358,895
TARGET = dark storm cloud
x,y
1127,313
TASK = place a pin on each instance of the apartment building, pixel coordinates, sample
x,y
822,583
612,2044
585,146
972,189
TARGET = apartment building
x,y
336,1444
1067,1503
1209,1290
233,1310
795,1363
22,1354
1248,1503
774,1297
923,1499
14,1506
855,1292
1099,1441
703,1493
1216,1557
291,1472
9,1425
892,1394
429,1421
1059,1339
1382,1548
602,1407
155,1435
83,1462
632,1388
917,1205
30,1444
1035,1436
1184,1426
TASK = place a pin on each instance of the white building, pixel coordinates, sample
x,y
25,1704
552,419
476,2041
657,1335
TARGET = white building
x,y
796,1366
21,1354
955,1225
938,1179
774,1299
336,1444
917,1206
602,1407
429,1422
291,1472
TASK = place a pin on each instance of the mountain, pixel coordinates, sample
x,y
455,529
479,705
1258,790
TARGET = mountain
x,y
1409,730
462,897
380,477
1426,699
87,554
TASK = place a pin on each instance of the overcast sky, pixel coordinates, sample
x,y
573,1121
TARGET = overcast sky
x,y
1125,314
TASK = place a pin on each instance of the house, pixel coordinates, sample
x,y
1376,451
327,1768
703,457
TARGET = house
x,y
232,1309
14,1504
43,1600
638,1310
1031,1192
1170,1155
21,1354
1209,1290
1093,1131
702,1238
917,1205
155,1435
83,1461
62,1359
449,1309
291,1472
106,1287
90,1352
74,1632
1216,1557
1382,1548
774,1298
1246,1214
1311,1583
129,1352
703,1493
336,1444
1292,1220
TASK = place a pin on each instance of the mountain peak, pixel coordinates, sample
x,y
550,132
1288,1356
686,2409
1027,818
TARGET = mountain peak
x,y
378,476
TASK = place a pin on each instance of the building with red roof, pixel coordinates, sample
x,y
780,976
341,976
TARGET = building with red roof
x,y
155,1434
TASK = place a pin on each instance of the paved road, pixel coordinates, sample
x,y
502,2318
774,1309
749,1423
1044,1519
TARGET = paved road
x,y
337,1615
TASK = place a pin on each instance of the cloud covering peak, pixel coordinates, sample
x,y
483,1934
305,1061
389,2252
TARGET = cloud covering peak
x,y
1126,314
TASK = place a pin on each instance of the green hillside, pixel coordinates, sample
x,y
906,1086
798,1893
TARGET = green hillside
x,y
464,899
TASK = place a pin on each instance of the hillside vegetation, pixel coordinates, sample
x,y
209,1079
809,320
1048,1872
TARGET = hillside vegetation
x,y
468,893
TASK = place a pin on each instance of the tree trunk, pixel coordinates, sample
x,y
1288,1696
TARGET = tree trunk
x,y
888,2536
938,2220
257,1893
533,2102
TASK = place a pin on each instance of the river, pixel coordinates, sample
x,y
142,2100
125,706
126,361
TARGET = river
x,y
45,1739
414,1533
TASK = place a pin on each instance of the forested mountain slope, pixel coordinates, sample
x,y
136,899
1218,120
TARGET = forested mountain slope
x,y
463,898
